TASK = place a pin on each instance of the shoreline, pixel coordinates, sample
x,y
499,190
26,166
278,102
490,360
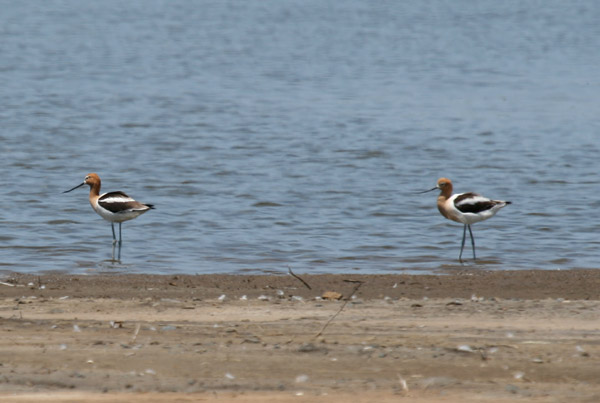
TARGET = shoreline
x,y
573,284
466,336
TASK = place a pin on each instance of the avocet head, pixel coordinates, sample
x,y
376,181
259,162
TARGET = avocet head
x,y
90,179
442,184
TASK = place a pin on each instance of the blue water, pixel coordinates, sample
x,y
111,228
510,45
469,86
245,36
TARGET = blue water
x,y
294,133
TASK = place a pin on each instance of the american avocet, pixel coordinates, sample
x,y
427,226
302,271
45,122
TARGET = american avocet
x,y
465,208
113,206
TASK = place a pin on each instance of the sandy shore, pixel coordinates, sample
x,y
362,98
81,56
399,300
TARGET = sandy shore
x,y
467,336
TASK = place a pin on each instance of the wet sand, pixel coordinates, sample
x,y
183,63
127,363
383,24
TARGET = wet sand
x,y
466,336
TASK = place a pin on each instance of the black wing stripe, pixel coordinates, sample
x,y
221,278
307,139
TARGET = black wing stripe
x,y
475,208
116,194
121,207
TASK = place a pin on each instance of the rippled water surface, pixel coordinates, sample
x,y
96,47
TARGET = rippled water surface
x,y
295,133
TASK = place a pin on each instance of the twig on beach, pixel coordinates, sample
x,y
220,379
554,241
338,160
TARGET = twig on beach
x,y
483,354
356,287
135,332
295,276
403,383
7,284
